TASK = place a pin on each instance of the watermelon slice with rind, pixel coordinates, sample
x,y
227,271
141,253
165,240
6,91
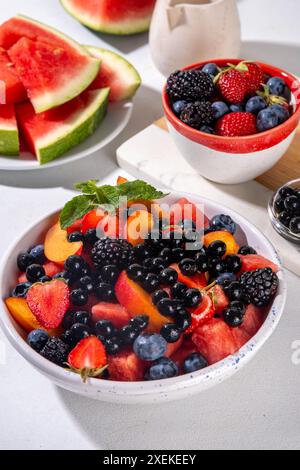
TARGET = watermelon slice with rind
x,y
112,16
11,88
9,135
52,133
52,67
116,73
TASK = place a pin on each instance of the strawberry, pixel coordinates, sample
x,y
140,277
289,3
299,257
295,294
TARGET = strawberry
x,y
201,314
233,85
255,77
237,125
88,358
49,302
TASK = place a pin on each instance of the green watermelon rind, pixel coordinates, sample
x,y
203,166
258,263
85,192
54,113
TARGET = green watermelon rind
x,y
123,28
126,71
9,142
55,146
73,87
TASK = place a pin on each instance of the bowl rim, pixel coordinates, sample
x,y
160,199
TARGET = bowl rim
x,y
220,142
72,380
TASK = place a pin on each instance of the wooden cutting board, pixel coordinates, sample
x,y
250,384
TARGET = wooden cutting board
x,y
288,168
152,155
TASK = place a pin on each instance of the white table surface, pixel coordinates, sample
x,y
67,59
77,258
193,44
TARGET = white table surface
x,y
258,408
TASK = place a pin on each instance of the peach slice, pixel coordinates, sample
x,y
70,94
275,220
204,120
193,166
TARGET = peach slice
x,y
138,225
121,180
198,281
138,302
226,237
22,314
57,247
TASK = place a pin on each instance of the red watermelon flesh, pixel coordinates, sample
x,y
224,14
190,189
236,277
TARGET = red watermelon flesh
x,y
253,320
14,89
7,116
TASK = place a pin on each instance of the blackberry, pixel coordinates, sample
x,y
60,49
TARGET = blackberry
x,y
190,85
197,114
259,287
56,351
107,251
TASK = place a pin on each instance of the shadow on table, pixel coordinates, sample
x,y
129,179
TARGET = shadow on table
x,y
123,44
147,108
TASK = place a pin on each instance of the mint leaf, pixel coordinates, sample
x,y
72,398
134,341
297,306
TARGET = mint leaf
x,y
75,209
139,190
88,187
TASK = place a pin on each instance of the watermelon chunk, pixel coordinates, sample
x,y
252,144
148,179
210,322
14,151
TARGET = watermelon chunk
x,y
112,16
253,320
185,209
126,367
49,84
9,135
116,73
115,313
54,132
253,262
13,87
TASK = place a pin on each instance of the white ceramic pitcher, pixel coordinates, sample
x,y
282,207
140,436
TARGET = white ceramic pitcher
x,y
187,31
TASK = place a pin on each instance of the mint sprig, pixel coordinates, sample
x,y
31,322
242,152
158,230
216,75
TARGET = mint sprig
x,y
94,196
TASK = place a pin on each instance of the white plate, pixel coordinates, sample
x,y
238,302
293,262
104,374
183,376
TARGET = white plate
x,y
116,120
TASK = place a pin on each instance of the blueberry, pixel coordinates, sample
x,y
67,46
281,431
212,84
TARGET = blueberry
x,y
255,105
86,283
136,272
66,276
38,254
75,237
171,333
68,320
140,322
178,254
183,320
76,266
105,328
142,251
91,236
169,307
150,346
159,295
179,290
216,267
233,317
80,331
211,69
217,249
79,297
295,225
35,272
150,283
158,264
188,267
105,292
223,222
292,204
179,106
201,260
276,86
110,274
162,369
112,346
168,277
37,339
267,119
166,254
207,130
285,218
225,278
192,298
24,260
247,250
21,290
236,108
68,338
279,204
193,363
282,112
286,191
239,306
219,109
234,291
234,263
85,318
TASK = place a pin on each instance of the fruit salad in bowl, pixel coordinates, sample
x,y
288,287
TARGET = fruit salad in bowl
x,y
130,294
232,113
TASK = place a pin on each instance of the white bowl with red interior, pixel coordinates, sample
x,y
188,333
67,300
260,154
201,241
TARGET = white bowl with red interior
x,y
141,392
233,160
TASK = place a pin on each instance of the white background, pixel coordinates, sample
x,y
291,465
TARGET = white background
x,y
258,408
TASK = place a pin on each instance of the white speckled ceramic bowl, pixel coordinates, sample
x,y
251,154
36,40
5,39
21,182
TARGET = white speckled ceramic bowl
x,y
142,392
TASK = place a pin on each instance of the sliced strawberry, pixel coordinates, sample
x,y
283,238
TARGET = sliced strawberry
x,y
115,313
88,358
184,209
198,281
76,227
253,262
49,302
201,314
219,298
214,340
253,320
255,77
126,367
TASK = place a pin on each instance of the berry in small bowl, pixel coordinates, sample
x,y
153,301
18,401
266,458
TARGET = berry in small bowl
x,y
235,124
284,211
